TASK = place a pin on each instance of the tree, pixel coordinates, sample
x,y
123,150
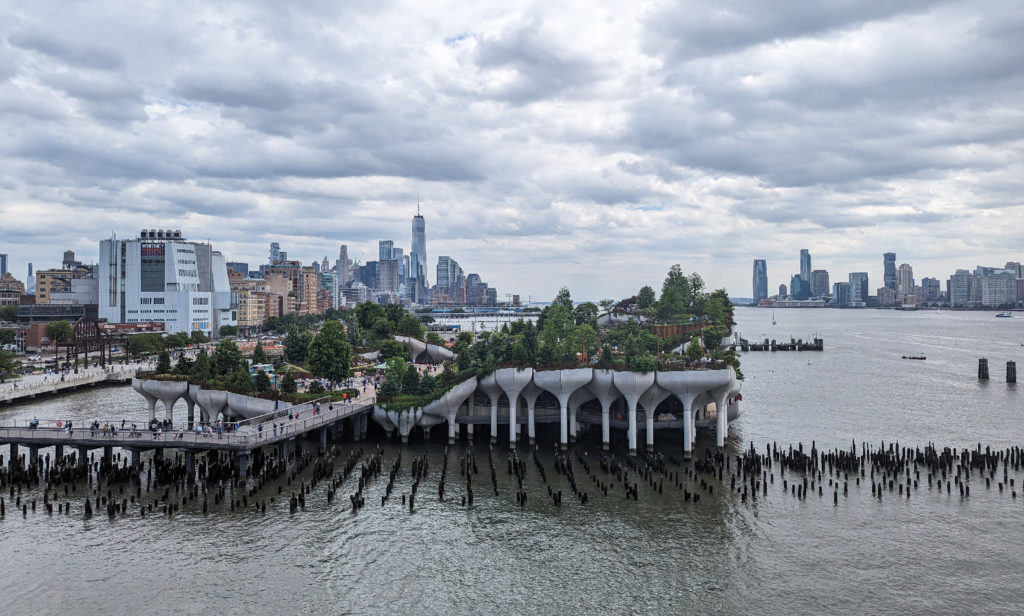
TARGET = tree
x,y
296,345
6,336
556,338
694,350
586,314
258,355
409,325
198,337
143,344
330,355
395,313
163,362
241,380
176,341
58,331
563,299
288,384
411,380
184,365
226,358
393,348
316,388
606,304
426,385
9,313
201,369
368,313
261,382
7,364
433,338
645,298
381,329
228,330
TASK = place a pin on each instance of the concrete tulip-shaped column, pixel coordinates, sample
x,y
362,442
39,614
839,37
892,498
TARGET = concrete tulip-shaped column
x,y
489,385
513,381
650,401
137,385
563,384
530,394
721,397
577,400
688,436
633,385
604,390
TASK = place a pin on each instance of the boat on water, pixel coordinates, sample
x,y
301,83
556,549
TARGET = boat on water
x,y
1004,315
914,357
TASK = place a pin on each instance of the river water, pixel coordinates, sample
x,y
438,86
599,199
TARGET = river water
x,y
933,553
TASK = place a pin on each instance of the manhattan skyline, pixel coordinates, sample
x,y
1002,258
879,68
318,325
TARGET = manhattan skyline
x,y
584,145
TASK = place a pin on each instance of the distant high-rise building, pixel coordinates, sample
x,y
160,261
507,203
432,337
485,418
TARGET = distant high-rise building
x,y
889,273
805,265
418,254
386,249
275,252
904,281
841,294
819,283
388,275
931,288
760,280
858,288
241,268
783,291
886,297
344,266
961,289
3,263
799,288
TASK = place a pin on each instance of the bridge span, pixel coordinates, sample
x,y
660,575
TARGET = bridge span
x,y
23,391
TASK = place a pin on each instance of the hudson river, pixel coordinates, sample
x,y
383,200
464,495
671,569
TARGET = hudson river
x,y
932,553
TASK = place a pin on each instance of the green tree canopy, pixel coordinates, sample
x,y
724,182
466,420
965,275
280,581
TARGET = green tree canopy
x,y
586,314
408,325
288,384
433,338
226,358
368,313
228,330
58,331
645,298
163,362
7,364
240,379
6,336
198,337
9,313
694,350
201,369
296,345
393,348
259,356
330,355
261,382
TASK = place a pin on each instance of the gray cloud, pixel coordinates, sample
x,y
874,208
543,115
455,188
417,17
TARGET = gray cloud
x,y
546,143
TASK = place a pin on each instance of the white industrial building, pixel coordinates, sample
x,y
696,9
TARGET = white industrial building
x,y
160,276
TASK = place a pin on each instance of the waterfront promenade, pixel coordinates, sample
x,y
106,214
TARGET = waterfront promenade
x,y
28,387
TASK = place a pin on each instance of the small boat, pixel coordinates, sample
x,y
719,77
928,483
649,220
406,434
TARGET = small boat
x,y
914,357
1004,315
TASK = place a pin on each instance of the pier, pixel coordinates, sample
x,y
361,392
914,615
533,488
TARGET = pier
x,y
11,393
242,439
794,344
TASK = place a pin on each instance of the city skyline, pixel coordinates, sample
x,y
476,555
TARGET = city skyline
x,y
590,146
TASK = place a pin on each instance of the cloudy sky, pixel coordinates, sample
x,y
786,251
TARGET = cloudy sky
x,y
554,143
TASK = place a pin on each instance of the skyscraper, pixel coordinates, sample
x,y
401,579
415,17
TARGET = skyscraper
x,y
344,266
858,288
805,266
904,281
275,252
3,264
386,250
760,280
819,283
419,247
889,273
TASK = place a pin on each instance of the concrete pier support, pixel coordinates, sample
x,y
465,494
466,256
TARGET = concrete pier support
x,y
190,462
603,388
59,451
14,452
513,381
722,419
323,437
1011,372
469,432
33,455
356,430
191,412
242,463
489,386
83,456
136,459
530,394
650,401
633,385
453,430
108,454
158,453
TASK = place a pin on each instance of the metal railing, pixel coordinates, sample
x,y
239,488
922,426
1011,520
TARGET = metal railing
x,y
8,390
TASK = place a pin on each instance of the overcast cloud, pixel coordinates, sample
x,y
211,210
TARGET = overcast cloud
x,y
577,143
